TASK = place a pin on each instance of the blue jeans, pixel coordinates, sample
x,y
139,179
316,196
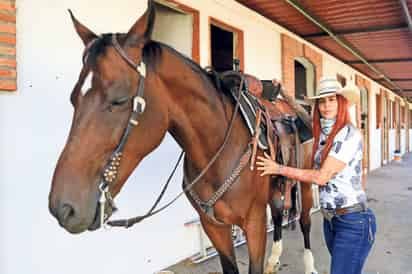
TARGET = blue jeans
x,y
349,239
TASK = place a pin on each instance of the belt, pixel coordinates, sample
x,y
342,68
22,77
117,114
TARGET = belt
x,y
330,213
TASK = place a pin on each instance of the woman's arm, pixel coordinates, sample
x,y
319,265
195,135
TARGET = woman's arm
x,y
363,180
330,168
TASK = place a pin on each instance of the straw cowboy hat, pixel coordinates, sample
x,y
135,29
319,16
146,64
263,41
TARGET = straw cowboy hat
x,y
330,85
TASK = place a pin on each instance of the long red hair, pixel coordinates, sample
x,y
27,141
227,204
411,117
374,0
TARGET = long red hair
x,y
342,119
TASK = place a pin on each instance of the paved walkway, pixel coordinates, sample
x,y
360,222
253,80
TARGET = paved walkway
x,y
390,196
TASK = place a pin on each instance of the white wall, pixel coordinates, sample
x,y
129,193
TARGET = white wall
x,y
375,149
392,143
403,141
374,133
35,122
169,19
332,66
410,140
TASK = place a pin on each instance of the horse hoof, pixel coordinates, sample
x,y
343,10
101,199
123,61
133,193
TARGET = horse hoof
x,y
273,270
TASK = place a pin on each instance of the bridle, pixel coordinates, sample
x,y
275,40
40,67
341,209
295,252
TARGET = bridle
x,y
110,171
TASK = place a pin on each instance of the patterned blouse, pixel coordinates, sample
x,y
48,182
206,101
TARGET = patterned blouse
x,y
345,188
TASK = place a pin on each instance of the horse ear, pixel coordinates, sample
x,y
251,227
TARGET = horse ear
x,y
85,34
143,28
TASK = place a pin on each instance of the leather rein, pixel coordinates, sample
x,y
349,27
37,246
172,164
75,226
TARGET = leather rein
x,y
110,171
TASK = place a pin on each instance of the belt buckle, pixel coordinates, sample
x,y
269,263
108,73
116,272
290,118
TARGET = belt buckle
x,y
327,214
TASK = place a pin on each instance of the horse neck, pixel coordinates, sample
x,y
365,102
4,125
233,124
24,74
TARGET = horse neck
x,y
199,115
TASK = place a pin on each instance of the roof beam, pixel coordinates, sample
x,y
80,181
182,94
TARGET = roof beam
x,y
400,79
356,31
340,41
406,14
397,60
407,93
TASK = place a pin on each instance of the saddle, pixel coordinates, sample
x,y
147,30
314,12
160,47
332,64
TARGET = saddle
x,y
263,95
250,104
271,122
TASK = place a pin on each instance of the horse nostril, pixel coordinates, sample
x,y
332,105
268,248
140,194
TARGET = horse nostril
x,y
66,212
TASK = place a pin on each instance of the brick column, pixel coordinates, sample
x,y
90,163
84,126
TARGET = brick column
x,y
291,48
8,45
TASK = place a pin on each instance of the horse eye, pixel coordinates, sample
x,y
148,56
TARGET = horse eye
x,y
118,102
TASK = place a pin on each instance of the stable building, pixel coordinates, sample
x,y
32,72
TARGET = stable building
x,y
367,43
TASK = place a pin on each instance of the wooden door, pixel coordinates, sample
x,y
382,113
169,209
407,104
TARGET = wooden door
x,y
385,129
364,125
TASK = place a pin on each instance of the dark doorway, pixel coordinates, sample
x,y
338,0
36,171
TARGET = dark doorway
x,y
222,48
304,81
300,81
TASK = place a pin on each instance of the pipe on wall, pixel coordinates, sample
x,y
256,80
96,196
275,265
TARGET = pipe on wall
x,y
341,42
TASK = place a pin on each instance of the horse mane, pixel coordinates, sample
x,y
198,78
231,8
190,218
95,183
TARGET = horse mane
x,y
152,54
99,48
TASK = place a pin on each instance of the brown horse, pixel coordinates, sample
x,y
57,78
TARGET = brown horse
x,y
180,99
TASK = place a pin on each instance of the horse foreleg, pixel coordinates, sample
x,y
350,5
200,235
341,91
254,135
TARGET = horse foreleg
x,y
273,263
305,224
221,238
255,230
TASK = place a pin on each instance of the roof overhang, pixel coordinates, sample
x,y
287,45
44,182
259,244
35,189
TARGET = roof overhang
x,y
374,37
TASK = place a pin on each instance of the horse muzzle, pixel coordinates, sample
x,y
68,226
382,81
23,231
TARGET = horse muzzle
x,y
68,217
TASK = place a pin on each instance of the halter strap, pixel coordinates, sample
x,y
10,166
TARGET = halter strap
x,y
110,172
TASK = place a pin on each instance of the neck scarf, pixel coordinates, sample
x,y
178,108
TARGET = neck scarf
x,y
326,125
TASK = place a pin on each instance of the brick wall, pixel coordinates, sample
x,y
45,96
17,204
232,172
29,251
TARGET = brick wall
x,y
7,45
291,49
363,83
316,59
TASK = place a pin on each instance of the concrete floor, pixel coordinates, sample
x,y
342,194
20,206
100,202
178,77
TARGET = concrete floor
x,y
390,196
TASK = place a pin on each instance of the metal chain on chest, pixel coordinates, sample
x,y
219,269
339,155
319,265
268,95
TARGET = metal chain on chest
x,y
226,185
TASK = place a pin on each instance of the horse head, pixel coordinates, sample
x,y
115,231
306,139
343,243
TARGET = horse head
x,y
102,110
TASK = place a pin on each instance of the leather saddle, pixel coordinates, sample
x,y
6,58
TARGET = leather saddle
x,y
282,126
257,94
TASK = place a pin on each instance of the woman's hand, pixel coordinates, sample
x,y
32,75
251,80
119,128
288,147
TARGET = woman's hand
x,y
267,165
276,82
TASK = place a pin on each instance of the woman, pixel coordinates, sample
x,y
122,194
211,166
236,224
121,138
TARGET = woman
x,y
349,225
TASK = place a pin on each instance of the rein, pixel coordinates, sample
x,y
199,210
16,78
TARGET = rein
x,y
110,171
